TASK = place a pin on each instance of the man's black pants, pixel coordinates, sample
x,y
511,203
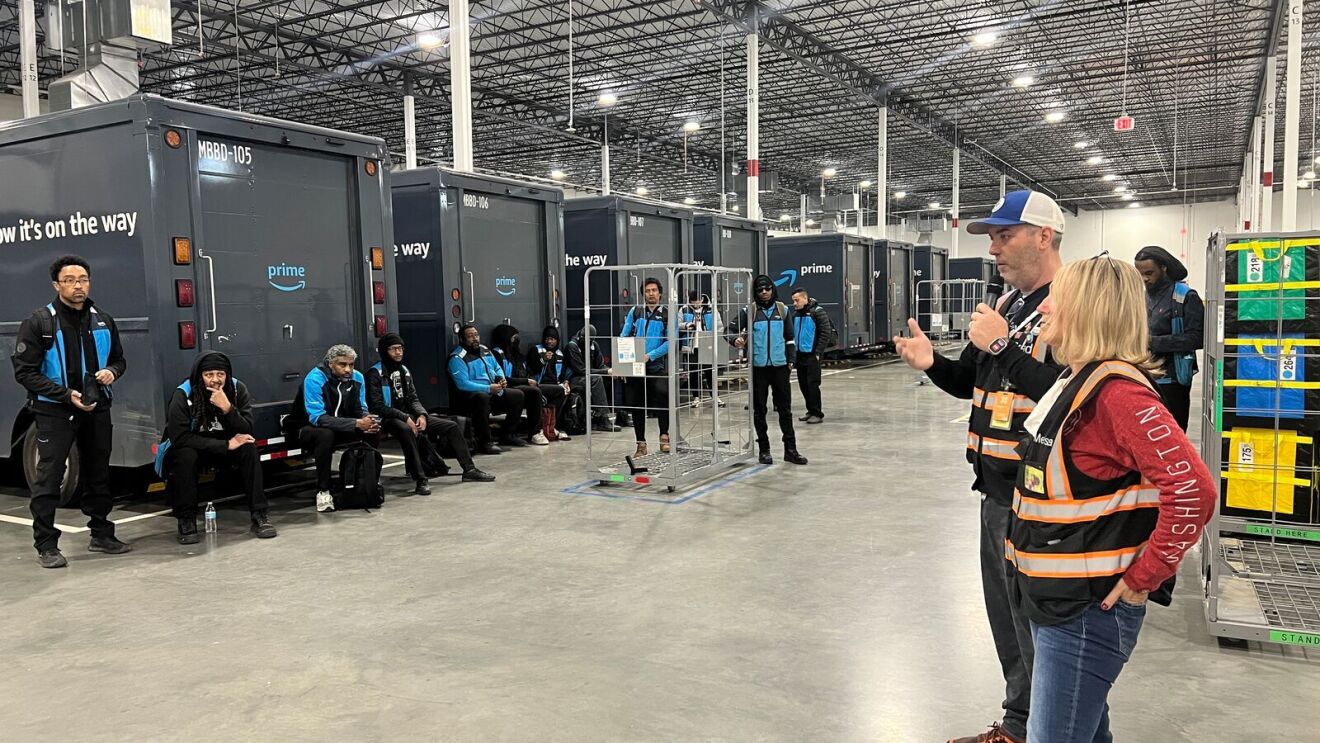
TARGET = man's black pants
x,y
57,434
647,394
1178,399
437,430
1009,625
553,396
808,373
322,442
513,403
774,381
185,465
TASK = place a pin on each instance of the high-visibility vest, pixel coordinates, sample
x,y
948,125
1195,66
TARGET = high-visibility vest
x,y
988,446
1073,536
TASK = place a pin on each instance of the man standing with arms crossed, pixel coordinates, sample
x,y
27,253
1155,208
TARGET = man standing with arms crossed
x,y
1003,371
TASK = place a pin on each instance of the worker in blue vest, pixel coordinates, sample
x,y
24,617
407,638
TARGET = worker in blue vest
x,y
68,357
1175,317
651,392
771,347
815,333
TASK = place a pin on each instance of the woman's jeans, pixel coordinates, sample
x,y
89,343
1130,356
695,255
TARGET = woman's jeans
x,y
1076,665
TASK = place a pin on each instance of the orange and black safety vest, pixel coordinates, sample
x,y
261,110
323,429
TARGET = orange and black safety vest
x,y
1073,536
996,447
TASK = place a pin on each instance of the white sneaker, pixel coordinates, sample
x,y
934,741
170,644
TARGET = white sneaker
x,y
539,439
562,436
325,503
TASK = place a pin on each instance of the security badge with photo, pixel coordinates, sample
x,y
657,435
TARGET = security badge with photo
x,y
1033,478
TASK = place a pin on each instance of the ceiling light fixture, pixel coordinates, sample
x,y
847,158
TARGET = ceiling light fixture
x,y
429,40
829,172
689,200
558,174
985,38
1108,177
1023,81
1128,197
785,217
900,194
1054,117
934,205
1120,189
607,99
642,191
691,126
1134,205
1081,145
1095,160
864,184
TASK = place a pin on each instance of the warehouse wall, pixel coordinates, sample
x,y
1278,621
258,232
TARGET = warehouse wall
x,y
11,106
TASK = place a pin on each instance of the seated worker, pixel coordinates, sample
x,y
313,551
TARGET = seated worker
x,y
334,404
578,357
209,424
506,346
392,397
483,388
696,316
546,368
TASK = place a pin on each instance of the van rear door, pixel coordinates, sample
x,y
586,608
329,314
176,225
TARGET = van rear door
x,y
276,264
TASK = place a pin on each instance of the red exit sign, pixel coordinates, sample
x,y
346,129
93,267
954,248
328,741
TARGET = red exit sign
x,y
1125,124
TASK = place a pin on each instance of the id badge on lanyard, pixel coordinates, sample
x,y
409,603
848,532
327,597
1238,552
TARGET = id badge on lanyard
x,y
1001,410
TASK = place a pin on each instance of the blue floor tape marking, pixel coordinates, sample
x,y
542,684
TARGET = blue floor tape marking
x,y
586,488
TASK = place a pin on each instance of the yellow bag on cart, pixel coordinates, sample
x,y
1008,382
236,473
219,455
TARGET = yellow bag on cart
x,y
1262,469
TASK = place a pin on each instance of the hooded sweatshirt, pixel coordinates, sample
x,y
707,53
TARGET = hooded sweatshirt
x,y
552,372
771,341
193,422
579,356
1162,307
509,354
391,393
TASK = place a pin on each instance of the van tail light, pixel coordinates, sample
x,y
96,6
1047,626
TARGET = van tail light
x,y
183,292
381,328
182,251
187,335
378,291
377,259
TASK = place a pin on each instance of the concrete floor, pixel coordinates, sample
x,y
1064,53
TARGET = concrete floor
x,y
834,602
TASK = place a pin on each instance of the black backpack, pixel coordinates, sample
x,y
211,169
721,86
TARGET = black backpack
x,y
359,476
574,422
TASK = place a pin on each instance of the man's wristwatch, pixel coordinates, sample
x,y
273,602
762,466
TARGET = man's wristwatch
x,y
998,345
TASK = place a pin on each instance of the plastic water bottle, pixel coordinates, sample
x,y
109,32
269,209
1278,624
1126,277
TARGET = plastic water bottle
x,y
210,518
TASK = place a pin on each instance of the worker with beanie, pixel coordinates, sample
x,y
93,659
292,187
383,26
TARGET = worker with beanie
x,y
545,364
1175,317
772,349
392,395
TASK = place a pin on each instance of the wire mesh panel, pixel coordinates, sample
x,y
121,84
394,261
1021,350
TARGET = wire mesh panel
x,y
945,307
1261,415
675,370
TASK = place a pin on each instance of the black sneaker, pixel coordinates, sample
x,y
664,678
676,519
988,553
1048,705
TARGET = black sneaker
x,y
108,545
512,442
188,531
423,487
765,458
51,559
261,525
814,419
792,457
476,475
489,448
803,418
605,425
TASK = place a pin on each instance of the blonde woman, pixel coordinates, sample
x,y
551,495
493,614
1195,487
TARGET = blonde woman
x,y
1110,496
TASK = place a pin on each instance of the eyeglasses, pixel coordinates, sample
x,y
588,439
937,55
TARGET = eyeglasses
x,y
80,281
765,289
1113,265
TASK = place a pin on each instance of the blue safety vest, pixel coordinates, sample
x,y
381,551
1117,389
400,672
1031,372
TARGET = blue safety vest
x,y
55,369
1184,364
558,364
641,323
768,345
804,332
164,446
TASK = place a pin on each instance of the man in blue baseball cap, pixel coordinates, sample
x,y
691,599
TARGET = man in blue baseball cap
x,y
1004,370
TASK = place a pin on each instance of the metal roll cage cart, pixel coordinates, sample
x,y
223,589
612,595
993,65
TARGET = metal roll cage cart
x,y
707,384
948,307
1260,554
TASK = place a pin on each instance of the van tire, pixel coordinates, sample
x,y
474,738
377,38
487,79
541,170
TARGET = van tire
x,y
72,471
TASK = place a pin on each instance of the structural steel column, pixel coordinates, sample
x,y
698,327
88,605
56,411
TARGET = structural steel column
x,y
753,126
1267,159
957,184
882,176
1003,185
27,30
1291,114
460,82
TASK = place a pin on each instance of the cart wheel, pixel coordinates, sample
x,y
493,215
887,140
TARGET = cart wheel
x,y
670,488
1233,643
602,483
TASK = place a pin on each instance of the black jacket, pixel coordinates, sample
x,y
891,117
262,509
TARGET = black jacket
x,y
577,360
975,370
1161,308
404,403
32,345
193,422
826,335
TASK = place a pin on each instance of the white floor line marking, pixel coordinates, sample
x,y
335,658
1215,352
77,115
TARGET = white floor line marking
x,y
28,522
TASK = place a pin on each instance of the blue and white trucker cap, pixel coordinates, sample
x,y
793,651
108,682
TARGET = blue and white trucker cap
x,y
1021,207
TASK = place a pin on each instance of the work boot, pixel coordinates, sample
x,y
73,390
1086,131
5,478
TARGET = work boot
x,y
514,442
423,487
792,457
995,734
188,530
765,457
489,448
261,525
108,545
664,443
623,420
641,450
51,558
605,425
476,475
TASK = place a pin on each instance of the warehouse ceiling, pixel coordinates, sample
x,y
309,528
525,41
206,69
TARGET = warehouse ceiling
x,y
1193,77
